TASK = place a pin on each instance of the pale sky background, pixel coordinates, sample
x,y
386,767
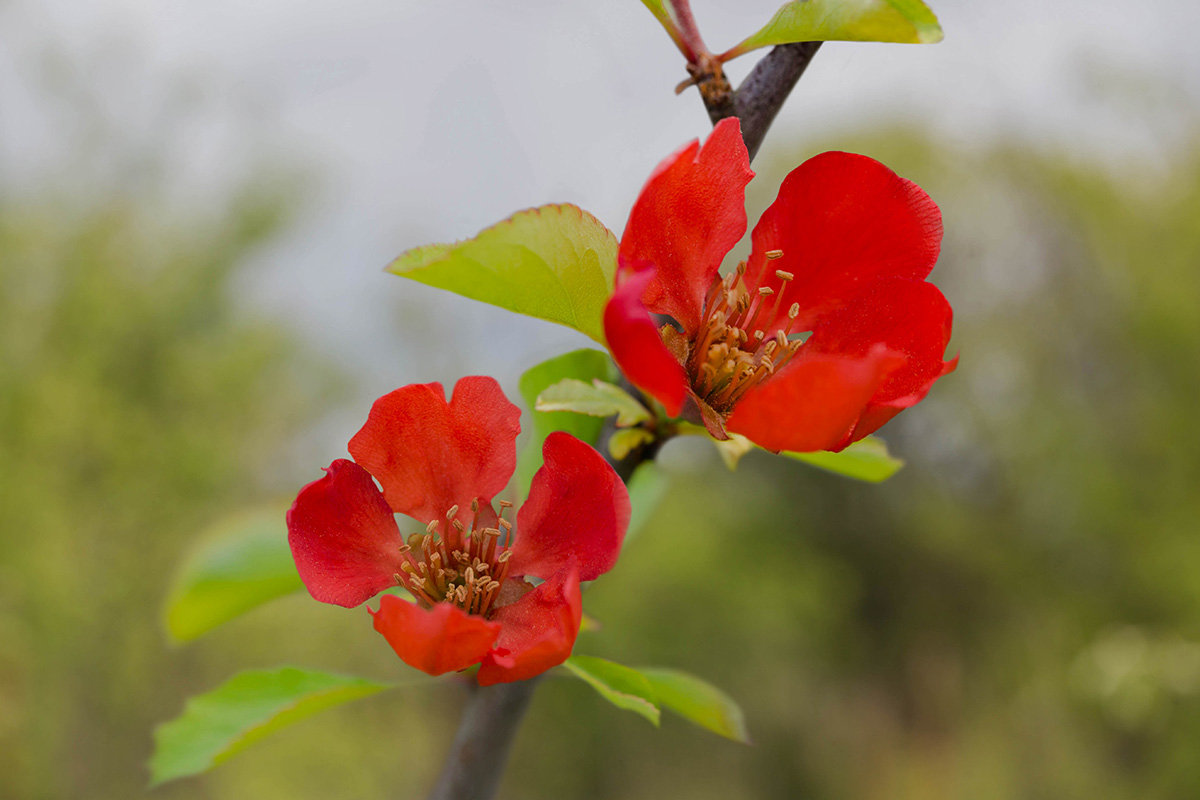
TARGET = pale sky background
x,y
427,120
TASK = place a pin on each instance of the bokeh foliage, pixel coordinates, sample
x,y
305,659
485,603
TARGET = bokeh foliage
x,y
135,404
1016,614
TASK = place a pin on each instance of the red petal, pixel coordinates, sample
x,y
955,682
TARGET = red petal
x,y
636,346
909,317
843,221
343,536
813,403
691,212
435,640
429,455
538,631
577,513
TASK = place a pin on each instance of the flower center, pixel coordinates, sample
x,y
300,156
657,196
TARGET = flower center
x,y
462,566
740,343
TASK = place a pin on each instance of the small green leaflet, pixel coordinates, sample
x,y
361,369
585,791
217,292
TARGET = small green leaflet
x,y
865,460
645,690
626,440
599,399
554,262
698,702
659,11
584,364
248,707
620,685
240,563
906,21
733,448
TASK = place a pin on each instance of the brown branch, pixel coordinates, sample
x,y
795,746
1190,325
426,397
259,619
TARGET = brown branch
x,y
485,736
762,94
480,749
489,723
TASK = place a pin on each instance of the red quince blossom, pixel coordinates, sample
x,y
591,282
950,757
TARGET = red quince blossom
x,y
441,464
827,331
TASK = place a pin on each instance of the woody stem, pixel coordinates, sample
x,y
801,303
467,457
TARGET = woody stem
x,y
479,752
485,736
763,92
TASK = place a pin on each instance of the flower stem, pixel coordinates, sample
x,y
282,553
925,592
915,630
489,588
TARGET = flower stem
x,y
479,752
485,736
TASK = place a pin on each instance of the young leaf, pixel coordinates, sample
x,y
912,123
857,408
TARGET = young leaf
x,y
554,262
698,702
733,448
243,562
657,9
583,364
598,399
620,685
624,441
663,15
907,21
865,460
244,709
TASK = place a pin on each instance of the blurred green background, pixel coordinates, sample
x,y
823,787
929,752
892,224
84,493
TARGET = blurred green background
x,y
1015,615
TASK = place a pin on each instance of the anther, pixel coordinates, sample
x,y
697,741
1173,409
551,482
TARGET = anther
x,y
453,512
766,291
773,254
794,311
784,276
432,526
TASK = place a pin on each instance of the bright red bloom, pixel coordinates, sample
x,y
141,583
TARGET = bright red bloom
x,y
441,464
828,330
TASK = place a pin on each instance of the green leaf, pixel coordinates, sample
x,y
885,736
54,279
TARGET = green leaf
x,y
622,686
656,8
865,460
584,364
244,709
553,262
907,21
240,563
698,702
625,441
598,399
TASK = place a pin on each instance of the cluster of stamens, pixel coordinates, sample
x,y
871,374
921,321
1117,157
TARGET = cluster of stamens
x,y
732,352
459,565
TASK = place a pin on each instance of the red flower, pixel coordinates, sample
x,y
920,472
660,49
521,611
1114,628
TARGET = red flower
x,y
828,330
441,464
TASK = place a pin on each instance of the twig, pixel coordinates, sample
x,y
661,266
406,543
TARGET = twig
x,y
480,749
762,94
485,736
